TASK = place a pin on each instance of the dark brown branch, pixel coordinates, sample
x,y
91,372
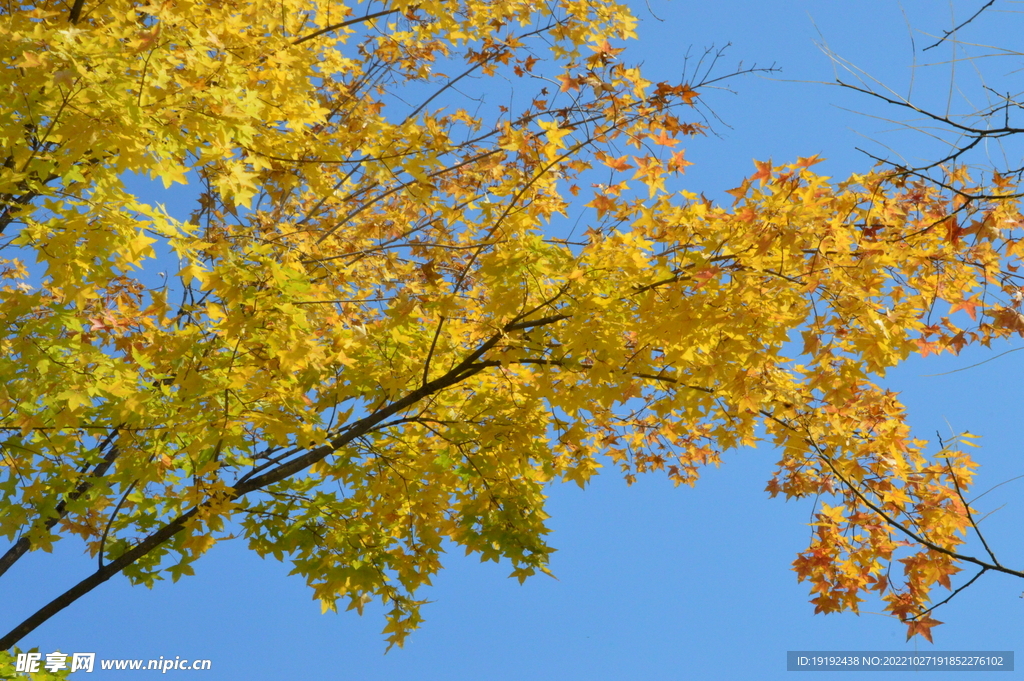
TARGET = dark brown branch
x,y
910,533
95,579
468,367
948,598
110,523
946,34
433,346
991,132
8,207
335,27
902,170
967,508
23,545
76,12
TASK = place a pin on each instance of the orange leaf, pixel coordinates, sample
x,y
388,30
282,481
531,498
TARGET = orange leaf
x,y
568,83
603,204
688,94
968,306
922,626
605,48
764,171
617,163
678,163
808,161
739,192
663,139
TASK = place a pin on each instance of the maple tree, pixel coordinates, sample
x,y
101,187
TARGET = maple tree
x,y
369,340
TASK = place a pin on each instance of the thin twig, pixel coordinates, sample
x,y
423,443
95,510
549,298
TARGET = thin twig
x,y
343,24
950,597
946,34
990,359
970,516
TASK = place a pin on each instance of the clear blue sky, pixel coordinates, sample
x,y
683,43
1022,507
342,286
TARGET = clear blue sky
x,y
653,582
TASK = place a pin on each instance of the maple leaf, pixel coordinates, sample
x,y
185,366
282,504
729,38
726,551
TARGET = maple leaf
x,y
739,192
747,214
430,273
1009,319
621,163
922,626
706,274
604,53
970,306
568,83
926,347
688,94
603,204
677,163
953,230
662,139
31,60
554,133
764,171
381,346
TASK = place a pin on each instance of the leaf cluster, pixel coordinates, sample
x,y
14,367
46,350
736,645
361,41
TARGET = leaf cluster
x,y
367,345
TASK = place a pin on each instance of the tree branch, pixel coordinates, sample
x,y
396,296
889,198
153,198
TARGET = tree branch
x,y
946,34
95,579
910,533
335,27
468,367
950,597
23,545
76,12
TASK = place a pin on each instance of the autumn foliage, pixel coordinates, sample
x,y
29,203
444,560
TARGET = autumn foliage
x,y
375,337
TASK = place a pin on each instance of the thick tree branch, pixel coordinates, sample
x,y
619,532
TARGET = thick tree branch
x,y
469,366
76,11
95,579
23,545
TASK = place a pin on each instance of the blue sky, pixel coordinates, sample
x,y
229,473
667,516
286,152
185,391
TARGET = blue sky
x,y
652,582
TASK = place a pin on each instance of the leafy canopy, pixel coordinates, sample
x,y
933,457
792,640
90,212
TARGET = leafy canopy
x,y
373,339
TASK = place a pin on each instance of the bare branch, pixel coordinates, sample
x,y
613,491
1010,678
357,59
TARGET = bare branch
x,y
946,34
